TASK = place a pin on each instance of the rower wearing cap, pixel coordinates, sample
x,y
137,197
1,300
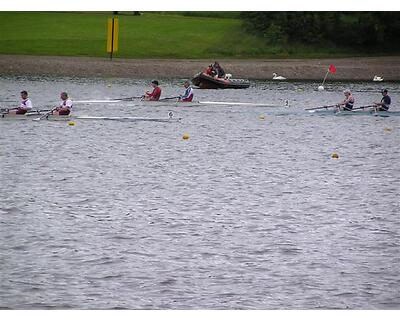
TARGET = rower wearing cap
x,y
348,102
65,106
25,105
385,102
188,95
155,94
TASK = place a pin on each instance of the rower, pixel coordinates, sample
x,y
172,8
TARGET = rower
x,y
25,105
65,106
348,102
385,102
188,95
155,94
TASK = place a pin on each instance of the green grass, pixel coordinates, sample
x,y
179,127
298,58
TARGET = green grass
x,y
151,35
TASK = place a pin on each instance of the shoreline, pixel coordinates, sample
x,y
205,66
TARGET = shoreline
x,y
356,69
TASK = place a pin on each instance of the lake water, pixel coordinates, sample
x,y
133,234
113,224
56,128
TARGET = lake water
x,y
248,213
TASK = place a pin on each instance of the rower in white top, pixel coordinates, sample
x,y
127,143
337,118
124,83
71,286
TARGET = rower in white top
x,y
25,105
65,106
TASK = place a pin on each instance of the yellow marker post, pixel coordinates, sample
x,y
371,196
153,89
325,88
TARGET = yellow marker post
x,y
112,36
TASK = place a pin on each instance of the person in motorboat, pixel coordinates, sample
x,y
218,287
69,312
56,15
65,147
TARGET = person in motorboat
x,y
155,94
220,73
188,95
385,102
65,106
209,71
24,106
348,103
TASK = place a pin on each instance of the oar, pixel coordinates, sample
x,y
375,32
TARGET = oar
x,y
44,115
322,107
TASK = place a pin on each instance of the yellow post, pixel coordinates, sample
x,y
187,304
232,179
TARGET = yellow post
x,y
112,36
115,37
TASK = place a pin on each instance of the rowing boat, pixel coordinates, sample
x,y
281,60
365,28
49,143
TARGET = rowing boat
x,y
356,113
175,103
26,116
50,117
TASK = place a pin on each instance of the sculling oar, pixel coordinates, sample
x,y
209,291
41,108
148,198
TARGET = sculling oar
x,y
44,115
322,107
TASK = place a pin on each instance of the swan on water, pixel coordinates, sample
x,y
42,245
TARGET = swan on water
x,y
377,79
276,77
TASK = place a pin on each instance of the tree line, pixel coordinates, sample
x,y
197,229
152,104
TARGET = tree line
x,y
379,30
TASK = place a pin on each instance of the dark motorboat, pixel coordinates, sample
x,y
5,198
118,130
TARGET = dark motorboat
x,y
205,81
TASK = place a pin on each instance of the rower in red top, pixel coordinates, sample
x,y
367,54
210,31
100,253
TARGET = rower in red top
x,y
155,94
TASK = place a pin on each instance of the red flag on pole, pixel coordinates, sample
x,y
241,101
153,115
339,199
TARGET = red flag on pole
x,y
332,68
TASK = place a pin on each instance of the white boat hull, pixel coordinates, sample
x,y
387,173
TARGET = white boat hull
x,y
36,116
356,113
173,103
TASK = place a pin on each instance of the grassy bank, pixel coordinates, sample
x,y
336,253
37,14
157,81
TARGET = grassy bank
x,y
150,35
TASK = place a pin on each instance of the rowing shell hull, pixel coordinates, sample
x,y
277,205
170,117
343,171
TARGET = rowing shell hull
x,y
72,117
356,113
128,119
27,116
186,104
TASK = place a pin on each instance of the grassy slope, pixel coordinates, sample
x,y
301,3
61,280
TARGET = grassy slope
x,y
148,36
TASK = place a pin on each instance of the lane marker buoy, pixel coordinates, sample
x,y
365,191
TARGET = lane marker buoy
x,y
185,136
335,155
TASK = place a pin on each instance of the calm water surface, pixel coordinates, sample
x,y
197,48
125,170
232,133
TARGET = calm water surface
x,y
246,214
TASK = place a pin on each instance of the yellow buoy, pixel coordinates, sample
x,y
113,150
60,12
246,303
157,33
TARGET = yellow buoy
x,y
185,136
109,85
261,117
335,155
387,129
71,123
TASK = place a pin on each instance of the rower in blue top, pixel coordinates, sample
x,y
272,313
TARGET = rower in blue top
x,y
188,95
348,103
385,102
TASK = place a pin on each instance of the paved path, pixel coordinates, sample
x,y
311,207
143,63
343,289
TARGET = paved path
x,y
294,69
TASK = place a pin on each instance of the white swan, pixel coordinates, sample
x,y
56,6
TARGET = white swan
x,y
377,79
276,77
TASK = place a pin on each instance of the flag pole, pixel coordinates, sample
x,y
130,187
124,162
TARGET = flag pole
x,y
326,75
